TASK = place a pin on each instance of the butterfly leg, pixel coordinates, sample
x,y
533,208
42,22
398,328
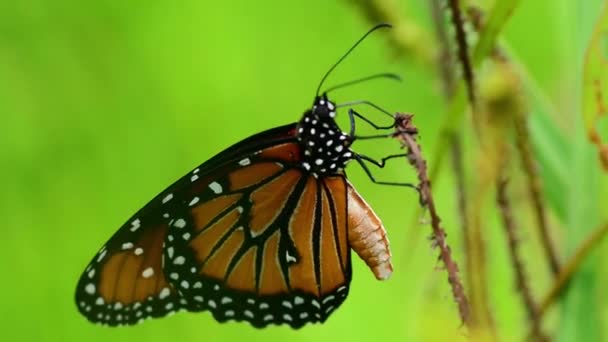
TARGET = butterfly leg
x,y
361,158
352,114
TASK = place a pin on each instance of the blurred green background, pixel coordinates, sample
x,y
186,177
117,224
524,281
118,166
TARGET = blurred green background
x,y
103,104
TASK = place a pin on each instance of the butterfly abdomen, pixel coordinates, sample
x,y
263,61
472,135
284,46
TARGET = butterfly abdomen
x,y
367,236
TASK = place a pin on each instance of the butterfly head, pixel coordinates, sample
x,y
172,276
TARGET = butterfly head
x,y
323,108
326,148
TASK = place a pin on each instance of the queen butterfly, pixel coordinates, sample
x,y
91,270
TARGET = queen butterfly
x,y
261,232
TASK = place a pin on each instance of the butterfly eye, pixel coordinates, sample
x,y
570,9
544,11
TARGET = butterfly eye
x,y
321,109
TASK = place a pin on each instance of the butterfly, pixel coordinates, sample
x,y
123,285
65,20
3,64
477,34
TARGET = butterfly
x,y
261,232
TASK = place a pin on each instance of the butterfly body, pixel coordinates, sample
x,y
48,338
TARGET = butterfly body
x,y
261,232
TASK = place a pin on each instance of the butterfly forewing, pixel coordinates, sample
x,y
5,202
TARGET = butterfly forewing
x,y
265,242
125,282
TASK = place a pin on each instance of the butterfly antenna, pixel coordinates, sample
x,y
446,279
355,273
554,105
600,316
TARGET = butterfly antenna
x,y
377,27
389,76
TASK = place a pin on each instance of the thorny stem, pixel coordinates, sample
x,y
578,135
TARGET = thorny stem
x,y
463,51
403,126
481,317
506,213
444,59
463,207
527,158
535,190
446,71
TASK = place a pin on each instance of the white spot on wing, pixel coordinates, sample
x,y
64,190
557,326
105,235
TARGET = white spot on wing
x,y
194,201
135,225
180,223
179,260
148,272
167,198
245,162
170,252
164,293
127,245
90,288
102,255
328,298
289,258
215,187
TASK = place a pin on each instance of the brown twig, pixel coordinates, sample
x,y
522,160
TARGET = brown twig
x,y
506,213
476,17
535,190
445,61
463,206
406,133
446,71
463,50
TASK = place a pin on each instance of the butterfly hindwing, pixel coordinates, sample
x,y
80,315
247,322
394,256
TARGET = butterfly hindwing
x,y
265,242
125,283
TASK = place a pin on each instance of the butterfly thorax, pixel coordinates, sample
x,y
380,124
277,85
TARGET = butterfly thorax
x,y
325,148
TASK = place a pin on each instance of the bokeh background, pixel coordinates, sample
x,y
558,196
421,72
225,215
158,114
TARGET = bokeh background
x,y
103,104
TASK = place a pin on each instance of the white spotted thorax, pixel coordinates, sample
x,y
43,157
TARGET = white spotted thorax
x,y
326,149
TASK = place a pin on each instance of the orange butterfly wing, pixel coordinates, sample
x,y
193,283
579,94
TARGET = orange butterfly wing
x,y
125,282
265,242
